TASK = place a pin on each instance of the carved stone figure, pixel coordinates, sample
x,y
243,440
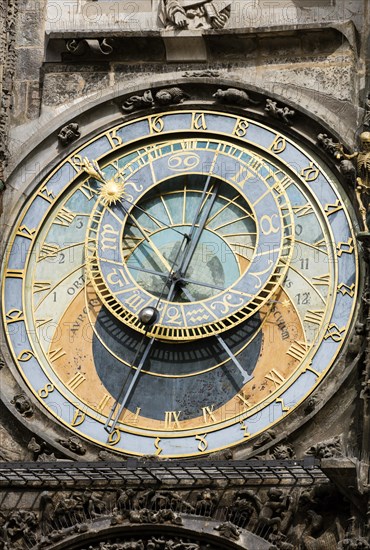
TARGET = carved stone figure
x,y
73,444
282,452
245,506
326,449
206,502
138,101
228,530
69,133
363,176
353,544
168,96
46,512
273,510
366,122
233,96
23,405
274,110
194,14
329,145
314,537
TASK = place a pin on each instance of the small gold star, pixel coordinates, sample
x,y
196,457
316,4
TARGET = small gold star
x,y
112,192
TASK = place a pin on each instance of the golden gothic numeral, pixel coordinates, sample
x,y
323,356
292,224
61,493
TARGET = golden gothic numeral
x,y
332,208
44,392
14,315
334,332
109,238
310,173
203,443
24,231
78,417
345,247
114,140
244,428
156,124
158,448
25,355
114,437
240,128
346,289
40,286
198,121
278,145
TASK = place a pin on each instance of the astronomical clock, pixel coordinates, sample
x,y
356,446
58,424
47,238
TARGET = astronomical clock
x,y
180,282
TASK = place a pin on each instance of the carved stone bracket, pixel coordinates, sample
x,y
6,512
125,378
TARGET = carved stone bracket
x,y
102,46
23,405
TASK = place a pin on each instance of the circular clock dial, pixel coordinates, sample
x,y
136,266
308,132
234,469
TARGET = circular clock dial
x,y
237,240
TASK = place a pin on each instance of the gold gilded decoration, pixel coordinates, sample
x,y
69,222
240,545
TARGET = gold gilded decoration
x,y
156,124
112,192
198,121
92,168
298,350
172,420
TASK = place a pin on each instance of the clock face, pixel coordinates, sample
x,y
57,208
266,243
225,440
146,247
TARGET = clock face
x,y
190,295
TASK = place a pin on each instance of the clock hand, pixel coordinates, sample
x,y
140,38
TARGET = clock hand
x,y
201,218
148,239
115,417
245,375
165,276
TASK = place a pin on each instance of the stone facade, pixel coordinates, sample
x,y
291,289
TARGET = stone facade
x,y
72,67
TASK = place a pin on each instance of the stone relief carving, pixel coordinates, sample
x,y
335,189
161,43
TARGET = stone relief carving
x,y
194,14
289,518
207,73
363,175
283,112
7,46
68,134
101,46
228,530
326,449
331,146
165,96
23,405
233,96
366,122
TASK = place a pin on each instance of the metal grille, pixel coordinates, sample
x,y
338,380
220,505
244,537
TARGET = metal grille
x,y
248,472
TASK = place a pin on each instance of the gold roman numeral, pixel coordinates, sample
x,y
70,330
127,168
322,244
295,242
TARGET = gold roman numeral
x,y
64,217
314,316
76,381
103,403
298,350
303,210
275,377
208,414
55,354
321,280
48,251
172,419
40,286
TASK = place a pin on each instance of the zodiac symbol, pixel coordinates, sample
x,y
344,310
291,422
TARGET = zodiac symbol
x,y
227,303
